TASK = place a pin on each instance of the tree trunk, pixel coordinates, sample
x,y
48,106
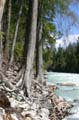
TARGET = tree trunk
x,y
1,51
2,3
31,40
6,55
39,55
15,35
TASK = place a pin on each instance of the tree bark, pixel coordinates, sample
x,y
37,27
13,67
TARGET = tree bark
x,y
6,55
31,40
1,51
39,55
15,34
2,3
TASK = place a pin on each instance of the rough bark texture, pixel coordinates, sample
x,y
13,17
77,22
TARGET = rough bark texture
x,y
1,52
31,37
39,57
15,35
8,31
2,3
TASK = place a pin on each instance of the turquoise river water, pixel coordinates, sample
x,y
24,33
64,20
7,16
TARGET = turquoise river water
x,y
69,92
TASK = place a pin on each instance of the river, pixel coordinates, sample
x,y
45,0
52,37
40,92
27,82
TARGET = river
x,y
68,88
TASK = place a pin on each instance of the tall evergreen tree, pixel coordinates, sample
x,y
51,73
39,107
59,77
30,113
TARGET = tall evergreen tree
x,y
8,32
30,42
15,34
2,4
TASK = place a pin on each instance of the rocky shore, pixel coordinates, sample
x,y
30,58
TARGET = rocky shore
x,y
43,104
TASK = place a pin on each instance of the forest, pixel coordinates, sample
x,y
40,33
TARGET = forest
x,y
65,59
26,28
28,35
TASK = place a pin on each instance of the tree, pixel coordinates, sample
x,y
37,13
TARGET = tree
x,y
2,3
42,34
30,42
66,59
77,55
39,46
39,54
15,34
8,32
46,14
71,60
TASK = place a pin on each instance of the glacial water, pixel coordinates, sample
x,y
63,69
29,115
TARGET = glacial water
x,y
68,92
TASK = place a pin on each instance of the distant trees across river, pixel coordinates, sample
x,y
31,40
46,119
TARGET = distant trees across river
x,y
65,60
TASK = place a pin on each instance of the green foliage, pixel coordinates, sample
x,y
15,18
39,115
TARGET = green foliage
x,y
46,14
50,10
21,32
18,52
66,60
2,35
47,54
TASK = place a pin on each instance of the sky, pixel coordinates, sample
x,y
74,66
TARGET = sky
x,y
75,8
64,23
69,28
64,42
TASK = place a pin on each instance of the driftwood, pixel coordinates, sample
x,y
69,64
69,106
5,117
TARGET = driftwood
x,y
19,74
19,83
6,81
12,81
37,83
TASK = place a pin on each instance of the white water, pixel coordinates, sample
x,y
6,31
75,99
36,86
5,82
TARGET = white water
x,y
70,93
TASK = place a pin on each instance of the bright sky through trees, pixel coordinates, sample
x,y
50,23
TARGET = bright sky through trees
x,y
67,25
